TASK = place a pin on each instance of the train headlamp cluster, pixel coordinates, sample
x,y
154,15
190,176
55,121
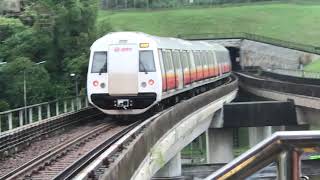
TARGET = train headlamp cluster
x,y
150,82
143,84
144,45
95,83
102,85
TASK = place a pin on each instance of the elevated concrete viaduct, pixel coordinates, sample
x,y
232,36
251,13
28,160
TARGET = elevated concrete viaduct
x,y
162,140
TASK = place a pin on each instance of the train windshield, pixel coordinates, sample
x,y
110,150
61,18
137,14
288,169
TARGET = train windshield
x,y
99,64
146,61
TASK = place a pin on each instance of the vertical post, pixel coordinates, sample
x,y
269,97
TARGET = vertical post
x,y
289,165
21,118
86,102
10,120
30,115
0,124
80,103
25,96
48,111
65,106
219,145
39,113
57,108
296,165
72,104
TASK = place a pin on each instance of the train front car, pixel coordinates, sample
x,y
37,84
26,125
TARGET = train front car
x,y
124,76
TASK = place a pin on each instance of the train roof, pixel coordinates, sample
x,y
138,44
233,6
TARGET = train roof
x,y
161,42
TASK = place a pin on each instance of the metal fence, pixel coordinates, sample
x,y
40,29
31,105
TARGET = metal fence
x,y
253,37
26,115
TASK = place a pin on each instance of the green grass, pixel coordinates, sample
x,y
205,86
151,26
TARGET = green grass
x,y
291,22
313,67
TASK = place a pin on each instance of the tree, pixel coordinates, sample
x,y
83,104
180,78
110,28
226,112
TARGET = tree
x,y
12,77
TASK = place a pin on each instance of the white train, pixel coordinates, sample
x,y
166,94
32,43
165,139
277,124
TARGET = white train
x,y
129,72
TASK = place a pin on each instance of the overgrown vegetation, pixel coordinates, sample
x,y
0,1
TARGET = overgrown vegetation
x,y
290,22
58,32
313,67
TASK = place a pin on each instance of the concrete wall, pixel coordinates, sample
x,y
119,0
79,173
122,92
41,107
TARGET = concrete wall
x,y
265,55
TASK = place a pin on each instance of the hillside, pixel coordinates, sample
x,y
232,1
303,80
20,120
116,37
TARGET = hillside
x,y
291,22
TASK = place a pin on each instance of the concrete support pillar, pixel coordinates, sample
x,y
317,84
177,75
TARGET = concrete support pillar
x,y
172,168
258,134
219,144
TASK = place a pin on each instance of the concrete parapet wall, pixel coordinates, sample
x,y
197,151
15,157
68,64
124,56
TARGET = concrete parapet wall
x,y
144,157
265,55
227,42
254,53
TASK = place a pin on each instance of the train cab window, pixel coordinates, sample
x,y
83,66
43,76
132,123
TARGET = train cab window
x,y
146,61
99,63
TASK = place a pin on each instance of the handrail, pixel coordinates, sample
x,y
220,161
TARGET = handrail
x,y
282,147
19,117
35,105
254,37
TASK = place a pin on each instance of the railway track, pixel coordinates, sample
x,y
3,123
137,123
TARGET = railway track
x,y
14,141
63,160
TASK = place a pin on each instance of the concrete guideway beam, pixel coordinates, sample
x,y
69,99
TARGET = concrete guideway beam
x,y
307,108
178,137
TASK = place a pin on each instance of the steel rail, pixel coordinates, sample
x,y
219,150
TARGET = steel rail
x,y
54,152
85,160
22,137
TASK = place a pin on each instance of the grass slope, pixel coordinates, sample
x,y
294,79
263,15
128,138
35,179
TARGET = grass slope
x,y
313,67
291,22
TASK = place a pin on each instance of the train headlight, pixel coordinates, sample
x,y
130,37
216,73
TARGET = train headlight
x,y
151,82
95,83
143,84
102,85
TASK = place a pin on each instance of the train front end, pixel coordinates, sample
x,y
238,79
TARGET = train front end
x,y
123,74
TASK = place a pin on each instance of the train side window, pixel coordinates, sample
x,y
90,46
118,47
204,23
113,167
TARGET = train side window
x,y
146,61
191,63
170,61
204,58
99,63
184,60
209,59
213,58
165,60
176,60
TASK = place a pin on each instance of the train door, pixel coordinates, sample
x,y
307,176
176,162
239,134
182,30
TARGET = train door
x,y
210,61
178,69
169,70
193,69
205,64
163,72
123,68
215,64
185,67
198,63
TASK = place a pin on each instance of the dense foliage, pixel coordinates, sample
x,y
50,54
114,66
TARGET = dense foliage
x,y
58,32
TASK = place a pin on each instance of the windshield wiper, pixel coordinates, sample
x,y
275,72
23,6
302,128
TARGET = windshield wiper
x,y
144,68
103,69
